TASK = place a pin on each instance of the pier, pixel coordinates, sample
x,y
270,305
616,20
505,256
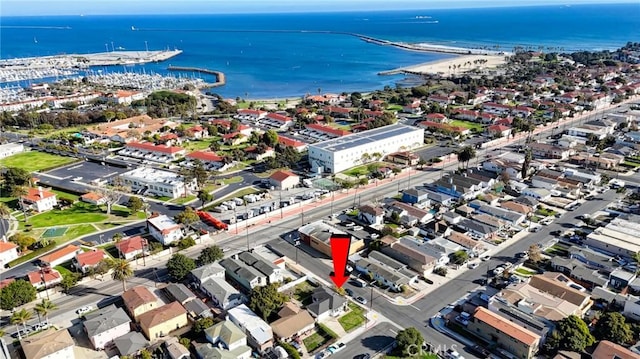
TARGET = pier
x,y
75,61
220,78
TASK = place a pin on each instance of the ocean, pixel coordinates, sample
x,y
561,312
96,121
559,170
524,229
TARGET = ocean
x,y
266,64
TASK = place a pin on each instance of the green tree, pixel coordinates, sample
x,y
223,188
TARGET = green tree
x,y
395,218
135,204
69,280
179,266
209,255
185,341
535,255
466,154
117,237
387,231
202,324
21,316
121,270
409,341
205,196
16,294
22,240
100,269
459,257
186,242
571,333
265,300
15,177
270,138
44,308
613,327
188,216
145,354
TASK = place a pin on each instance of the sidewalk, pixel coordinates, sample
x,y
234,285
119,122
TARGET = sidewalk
x,y
439,324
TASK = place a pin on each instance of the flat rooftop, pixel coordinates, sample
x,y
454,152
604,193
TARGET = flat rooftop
x,y
147,174
361,138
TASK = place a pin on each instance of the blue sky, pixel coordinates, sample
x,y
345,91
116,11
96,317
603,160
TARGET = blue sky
x,y
104,7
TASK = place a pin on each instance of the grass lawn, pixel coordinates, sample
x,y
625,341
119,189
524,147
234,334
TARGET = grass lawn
x,y
232,180
266,174
63,270
108,225
110,249
198,145
183,200
394,108
66,195
353,319
75,232
525,272
362,170
313,342
302,292
467,124
36,161
79,213
546,212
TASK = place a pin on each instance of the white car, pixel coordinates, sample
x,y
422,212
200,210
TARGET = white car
x,y
473,265
498,271
84,310
485,257
350,224
357,228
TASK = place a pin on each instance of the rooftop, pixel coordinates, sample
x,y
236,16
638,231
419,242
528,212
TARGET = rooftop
x,y
258,328
163,223
137,296
148,174
46,343
161,315
505,326
361,138
105,319
70,249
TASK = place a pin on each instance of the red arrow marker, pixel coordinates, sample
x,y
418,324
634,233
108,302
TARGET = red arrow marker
x,y
340,244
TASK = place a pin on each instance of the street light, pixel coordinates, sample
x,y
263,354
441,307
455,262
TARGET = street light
x,y
296,244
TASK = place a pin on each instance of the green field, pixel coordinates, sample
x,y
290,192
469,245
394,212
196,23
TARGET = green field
x,y
467,124
313,342
198,145
35,161
79,213
353,319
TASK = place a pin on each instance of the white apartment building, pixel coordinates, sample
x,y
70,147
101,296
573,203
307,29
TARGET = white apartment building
x,y
164,229
11,149
339,154
150,181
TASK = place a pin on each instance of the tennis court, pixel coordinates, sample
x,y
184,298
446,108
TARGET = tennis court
x,y
325,183
54,232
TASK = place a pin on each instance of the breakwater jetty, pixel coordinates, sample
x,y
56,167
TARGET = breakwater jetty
x,y
219,75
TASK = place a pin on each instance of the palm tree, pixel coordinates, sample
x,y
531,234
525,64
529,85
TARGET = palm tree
x,y
20,191
121,271
44,308
4,213
466,154
21,316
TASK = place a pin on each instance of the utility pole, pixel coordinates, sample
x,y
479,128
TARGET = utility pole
x,y
280,205
247,229
144,255
44,281
296,244
302,221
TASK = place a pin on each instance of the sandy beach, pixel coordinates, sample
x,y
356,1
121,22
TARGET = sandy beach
x,y
456,65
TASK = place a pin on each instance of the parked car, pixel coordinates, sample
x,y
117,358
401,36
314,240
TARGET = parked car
x,y
522,255
498,271
485,257
452,354
40,326
361,300
349,292
362,356
349,224
473,265
359,283
336,348
507,265
84,310
357,228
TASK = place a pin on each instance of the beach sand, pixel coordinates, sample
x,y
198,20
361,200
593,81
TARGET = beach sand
x,y
445,67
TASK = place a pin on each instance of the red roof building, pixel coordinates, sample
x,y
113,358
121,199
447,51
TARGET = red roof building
x,y
6,282
39,199
205,156
46,277
152,148
287,141
437,117
84,261
131,247
278,117
61,255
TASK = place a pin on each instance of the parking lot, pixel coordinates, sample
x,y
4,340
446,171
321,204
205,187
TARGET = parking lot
x,y
87,171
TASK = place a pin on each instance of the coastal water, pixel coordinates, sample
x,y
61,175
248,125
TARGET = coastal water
x,y
275,64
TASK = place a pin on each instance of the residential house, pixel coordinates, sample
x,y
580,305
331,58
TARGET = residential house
x,y
588,178
613,241
620,278
198,309
93,198
540,194
131,247
175,349
467,242
499,165
86,260
513,338
209,159
164,229
458,186
161,321
293,322
404,158
206,272
196,132
440,199
609,350
466,115
437,228
503,214
385,270
131,343
259,333
416,196
105,325
318,235
476,229
129,129
8,253
543,182
407,252
250,114
517,207
152,152
540,326
278,121
578,272
139,300
297,145
632,307
229,340
326,303
551,296
409,215
373,215
222,293
272,272
49,344
60,256
499,131
413,107
180,293
284,180
44,278
259,153
545,150
39,200
243,274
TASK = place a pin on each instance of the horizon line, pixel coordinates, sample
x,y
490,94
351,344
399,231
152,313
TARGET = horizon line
x,y
326,11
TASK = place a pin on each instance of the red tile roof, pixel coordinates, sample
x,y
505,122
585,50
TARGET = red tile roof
x,y
282,175
609,350
90,258
251,112
130,245
33,195
7,246
498,128
229,136
507,327
337,109
60,253
206,156
373,113
327,129
444,126
48,274
436,116
279,117
148,146
92,196
290,142
6,282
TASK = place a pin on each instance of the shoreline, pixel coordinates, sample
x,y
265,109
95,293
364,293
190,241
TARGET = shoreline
x,y
456,65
